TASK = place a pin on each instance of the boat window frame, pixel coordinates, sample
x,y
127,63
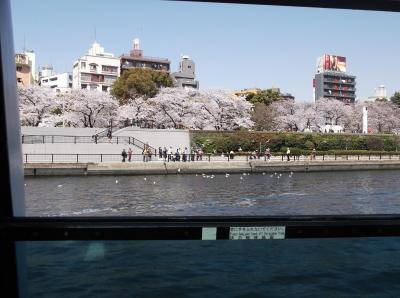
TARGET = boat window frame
x,y
15,227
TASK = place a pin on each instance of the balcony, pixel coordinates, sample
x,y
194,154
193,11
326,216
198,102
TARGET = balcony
x,y
339,88
337,94
340,81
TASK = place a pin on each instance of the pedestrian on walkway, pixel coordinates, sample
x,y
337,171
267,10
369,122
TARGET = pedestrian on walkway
x,y
170,153
123,154
165,153
160,153
129,154
268,154
288,154
185,154
109,135
149,153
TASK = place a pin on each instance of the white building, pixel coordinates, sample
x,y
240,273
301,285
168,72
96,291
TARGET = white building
x,y
97,70
380,93
61,83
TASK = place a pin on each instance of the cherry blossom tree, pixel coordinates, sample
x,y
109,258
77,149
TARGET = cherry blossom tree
x,y
86,108
35,104
290,116
383,117
224,110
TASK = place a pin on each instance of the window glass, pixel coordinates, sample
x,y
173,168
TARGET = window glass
x,y
249,110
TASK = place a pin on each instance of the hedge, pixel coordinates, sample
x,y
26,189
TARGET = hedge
x,y
299,143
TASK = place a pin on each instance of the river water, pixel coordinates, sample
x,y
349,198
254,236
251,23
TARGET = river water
x,y
352,192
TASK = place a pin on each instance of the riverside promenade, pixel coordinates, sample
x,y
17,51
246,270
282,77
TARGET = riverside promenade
x,y
213,167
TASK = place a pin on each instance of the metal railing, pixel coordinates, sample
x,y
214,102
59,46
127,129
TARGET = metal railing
x,y
95,139
192,157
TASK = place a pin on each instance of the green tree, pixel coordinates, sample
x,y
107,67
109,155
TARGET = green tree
x,y
139,82
396,98
266,97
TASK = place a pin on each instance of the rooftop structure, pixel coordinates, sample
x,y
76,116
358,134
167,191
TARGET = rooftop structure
x,y
135,59
185,76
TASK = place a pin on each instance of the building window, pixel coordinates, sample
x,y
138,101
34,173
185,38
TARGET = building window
x,y
19,68
83,64
108,68
83,86
44,81
104,88
58,90
53,79
93,67
19,80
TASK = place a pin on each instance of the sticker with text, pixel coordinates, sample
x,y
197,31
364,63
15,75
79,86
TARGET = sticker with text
x,y
257,233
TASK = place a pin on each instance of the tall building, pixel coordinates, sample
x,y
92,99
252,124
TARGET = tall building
x,y
135,59
332,81
61,83
97,70
185,76
25,68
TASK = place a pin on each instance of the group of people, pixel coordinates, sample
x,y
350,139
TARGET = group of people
x,y
179,154
195,154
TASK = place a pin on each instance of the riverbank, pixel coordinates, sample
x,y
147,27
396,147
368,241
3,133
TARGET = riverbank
x,y
219,167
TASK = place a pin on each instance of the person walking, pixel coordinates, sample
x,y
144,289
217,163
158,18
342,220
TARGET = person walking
x,y
109,135
129,154
149,154
123,154
268,154
201,154
170,153
185,154
165,153
288,154
160,153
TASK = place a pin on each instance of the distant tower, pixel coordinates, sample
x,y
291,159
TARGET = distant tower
x,y
136,51
380,92
365,120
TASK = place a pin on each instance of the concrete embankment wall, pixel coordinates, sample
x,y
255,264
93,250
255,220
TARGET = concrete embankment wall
x,y
161,168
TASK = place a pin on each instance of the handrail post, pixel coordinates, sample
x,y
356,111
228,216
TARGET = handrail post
x,y
52,158
282,157
323,156
23,139
43,139
358,156
347,157
380,156
335,156
77,158
74,139
209,157
369,156
228,157
101,157
26,158
52,139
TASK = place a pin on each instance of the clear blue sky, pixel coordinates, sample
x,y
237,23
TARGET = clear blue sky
x,y
233,46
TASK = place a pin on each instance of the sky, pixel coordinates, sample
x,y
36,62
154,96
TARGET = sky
x,y
234,46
